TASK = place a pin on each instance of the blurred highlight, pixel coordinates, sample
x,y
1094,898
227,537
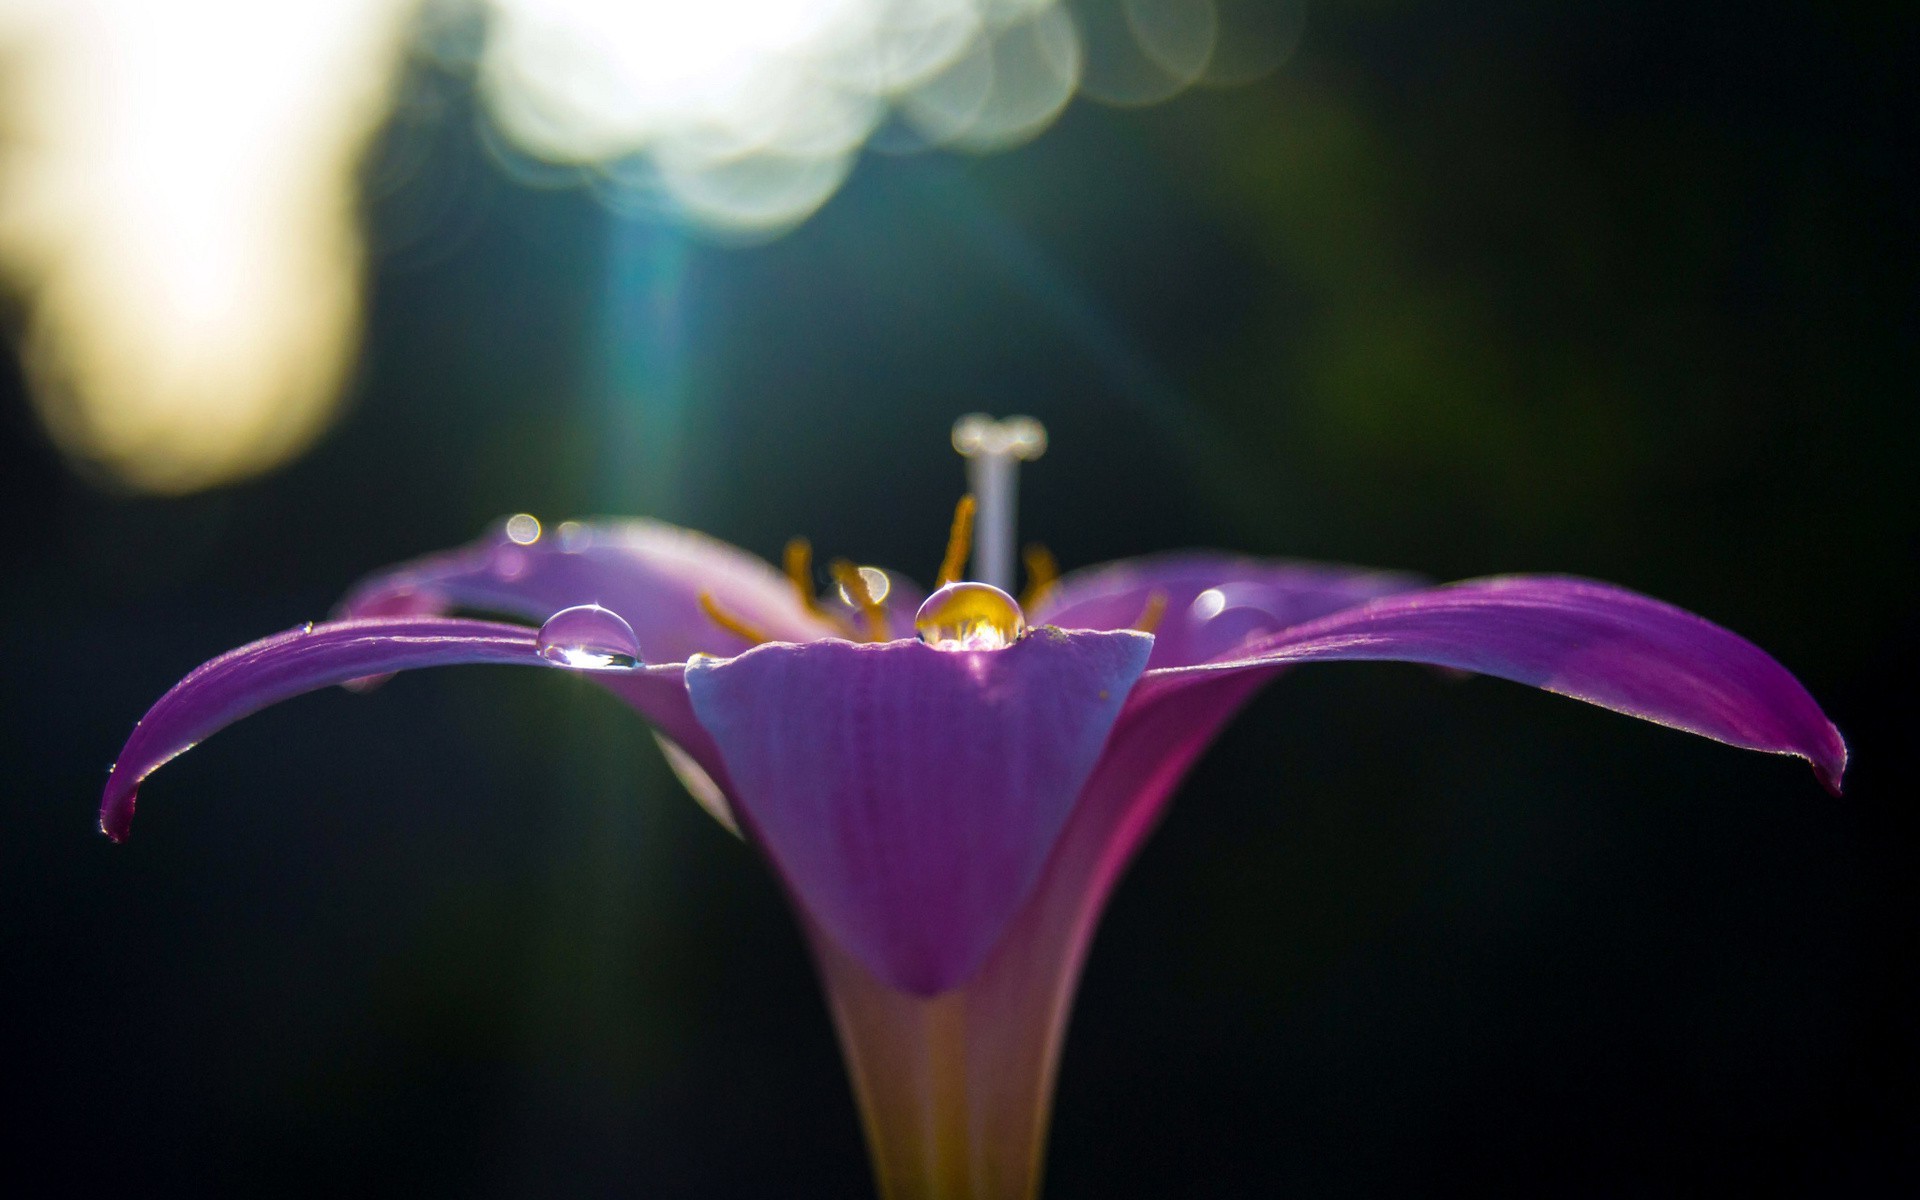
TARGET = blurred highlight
x,y
179,190
179,206
744,116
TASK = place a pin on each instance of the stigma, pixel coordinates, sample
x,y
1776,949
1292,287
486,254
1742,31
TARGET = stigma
x,y
993,450
970,616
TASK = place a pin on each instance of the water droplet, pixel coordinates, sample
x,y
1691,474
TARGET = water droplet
x,y
878,585
1209,604
589,638
970,616
523,529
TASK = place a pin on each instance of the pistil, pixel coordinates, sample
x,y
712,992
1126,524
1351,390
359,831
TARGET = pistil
x,y
993,449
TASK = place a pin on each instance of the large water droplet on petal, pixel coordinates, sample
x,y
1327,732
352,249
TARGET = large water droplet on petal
x,y
970,616
589,638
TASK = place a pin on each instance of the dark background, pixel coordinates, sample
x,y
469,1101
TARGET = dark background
x,y
1620,289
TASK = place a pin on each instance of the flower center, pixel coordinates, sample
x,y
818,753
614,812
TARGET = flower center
x,y
959,615
970,616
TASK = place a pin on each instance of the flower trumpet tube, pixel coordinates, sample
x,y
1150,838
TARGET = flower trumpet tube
x,y
949,785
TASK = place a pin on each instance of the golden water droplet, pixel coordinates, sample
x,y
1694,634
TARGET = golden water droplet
x,y
970,616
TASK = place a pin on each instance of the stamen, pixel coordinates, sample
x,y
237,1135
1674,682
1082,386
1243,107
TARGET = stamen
x,y
1149,618
799,564
992,450
853,582
727,621
1042,570
959,542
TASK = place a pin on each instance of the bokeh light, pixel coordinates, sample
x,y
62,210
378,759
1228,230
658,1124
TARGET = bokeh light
x,y
179,203
745,116
180,188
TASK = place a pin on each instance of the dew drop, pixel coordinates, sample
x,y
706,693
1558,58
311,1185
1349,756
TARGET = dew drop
x,y
878,585
523,529
589,638
1209,604
970,616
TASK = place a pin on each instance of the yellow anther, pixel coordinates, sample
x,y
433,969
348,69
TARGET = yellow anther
x,y
799,564
1042,570
727,621
1149,618
959,543
859,592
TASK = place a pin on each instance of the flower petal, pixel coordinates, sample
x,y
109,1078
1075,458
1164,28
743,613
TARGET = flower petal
x,y
909,795
1211,602
1592,641
651,573
244,681
993,1045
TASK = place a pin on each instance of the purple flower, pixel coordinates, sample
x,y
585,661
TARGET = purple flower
x,y
949,811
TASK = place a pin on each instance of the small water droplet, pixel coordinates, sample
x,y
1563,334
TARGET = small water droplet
x,y
1209,604
523,529
970,616
589,638
878,585
306,627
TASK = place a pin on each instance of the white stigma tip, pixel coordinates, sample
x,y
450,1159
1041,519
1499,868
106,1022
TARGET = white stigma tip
x,y
977,434
992,449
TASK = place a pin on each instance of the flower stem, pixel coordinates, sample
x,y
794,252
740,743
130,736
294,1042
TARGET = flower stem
x,y
952,1110
956,1090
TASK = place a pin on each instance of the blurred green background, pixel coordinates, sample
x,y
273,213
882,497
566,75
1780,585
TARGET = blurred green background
x,y
1623,290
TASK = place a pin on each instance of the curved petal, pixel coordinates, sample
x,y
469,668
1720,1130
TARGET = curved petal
x,y
1211,602
244,681
909,795
651,573
1592,641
